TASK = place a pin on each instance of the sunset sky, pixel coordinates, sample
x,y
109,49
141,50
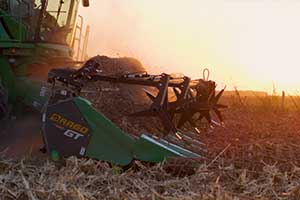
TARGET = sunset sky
x,y
250,44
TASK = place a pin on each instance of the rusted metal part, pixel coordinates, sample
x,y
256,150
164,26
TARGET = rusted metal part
x,y
193,99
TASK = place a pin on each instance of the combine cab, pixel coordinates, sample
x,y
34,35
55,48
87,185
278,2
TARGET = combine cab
x,y
40,74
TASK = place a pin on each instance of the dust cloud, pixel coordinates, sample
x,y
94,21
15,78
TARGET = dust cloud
x,y
243,43
156,32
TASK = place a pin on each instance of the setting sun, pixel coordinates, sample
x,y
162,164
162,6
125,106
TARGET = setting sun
x,y
248,44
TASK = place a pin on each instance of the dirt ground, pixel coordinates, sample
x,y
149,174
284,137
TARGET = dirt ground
x,y
257,138
255,156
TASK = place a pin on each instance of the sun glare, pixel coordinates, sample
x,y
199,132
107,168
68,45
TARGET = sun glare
x,y
248,44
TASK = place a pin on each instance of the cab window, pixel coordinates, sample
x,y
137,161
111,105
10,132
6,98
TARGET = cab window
x,y
58,22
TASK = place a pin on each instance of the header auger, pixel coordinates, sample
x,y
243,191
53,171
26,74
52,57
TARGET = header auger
x,y
37,42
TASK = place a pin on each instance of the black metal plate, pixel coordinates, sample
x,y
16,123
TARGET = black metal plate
x,y
65,129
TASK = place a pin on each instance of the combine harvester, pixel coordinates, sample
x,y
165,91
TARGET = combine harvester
x,y
40,74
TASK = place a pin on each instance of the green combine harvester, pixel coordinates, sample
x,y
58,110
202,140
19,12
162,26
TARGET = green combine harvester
x,y
42,74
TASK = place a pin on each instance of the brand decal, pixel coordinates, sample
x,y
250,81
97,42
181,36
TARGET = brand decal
x,y
68,123
73,134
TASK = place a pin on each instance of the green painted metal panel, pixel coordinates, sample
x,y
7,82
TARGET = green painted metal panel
x,y
58,47
32,93
152,150
54,49
108,142
17,30
7,78
3,33
7,44
184,152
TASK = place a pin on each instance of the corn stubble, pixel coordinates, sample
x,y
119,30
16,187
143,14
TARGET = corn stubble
x,y
256,156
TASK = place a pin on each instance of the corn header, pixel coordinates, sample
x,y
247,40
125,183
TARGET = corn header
x,y
42,71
